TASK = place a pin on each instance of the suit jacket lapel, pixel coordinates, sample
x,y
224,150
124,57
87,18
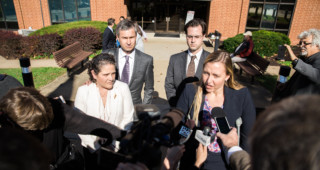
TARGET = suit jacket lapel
x,y
183,64
116,58
136,61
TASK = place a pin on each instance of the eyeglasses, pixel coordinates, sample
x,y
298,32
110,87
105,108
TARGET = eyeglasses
x,y
303,43
195,37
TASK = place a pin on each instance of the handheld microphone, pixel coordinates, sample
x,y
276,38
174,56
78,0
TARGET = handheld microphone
x,y
204,136
221,120
238,123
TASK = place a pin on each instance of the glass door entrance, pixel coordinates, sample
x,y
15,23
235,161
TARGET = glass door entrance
x,y
168,18
165,16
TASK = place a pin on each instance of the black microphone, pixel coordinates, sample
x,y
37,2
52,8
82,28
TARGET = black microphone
x,y
221,120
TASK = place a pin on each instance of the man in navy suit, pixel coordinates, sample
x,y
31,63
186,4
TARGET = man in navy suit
x,y
109,39
133,66
183,67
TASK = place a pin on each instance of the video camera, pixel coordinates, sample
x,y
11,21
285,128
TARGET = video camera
x,y
142,143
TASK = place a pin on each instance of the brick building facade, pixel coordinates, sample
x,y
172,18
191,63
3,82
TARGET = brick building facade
x,y
228,17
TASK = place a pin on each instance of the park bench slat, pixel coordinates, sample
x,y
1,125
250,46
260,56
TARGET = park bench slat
x,y
254,65
70,56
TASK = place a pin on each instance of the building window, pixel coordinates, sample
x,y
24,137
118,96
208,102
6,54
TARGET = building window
x,y
273,15
69,10
8,17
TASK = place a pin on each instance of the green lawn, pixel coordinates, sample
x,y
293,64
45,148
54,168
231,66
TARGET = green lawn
x,y
41,76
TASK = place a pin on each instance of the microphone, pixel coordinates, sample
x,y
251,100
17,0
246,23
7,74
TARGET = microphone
x,y
221,120
238,123
204,136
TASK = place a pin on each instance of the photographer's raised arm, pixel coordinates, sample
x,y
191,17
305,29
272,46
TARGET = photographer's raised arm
x,y
291,54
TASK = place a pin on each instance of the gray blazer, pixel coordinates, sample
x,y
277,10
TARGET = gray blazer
x,y
176,73
142,74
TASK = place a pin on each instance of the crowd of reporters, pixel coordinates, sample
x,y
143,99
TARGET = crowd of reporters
x,y
283,137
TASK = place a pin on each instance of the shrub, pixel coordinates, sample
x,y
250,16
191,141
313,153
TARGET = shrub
x,y
43,45
90,38
62,28
265,42
10,46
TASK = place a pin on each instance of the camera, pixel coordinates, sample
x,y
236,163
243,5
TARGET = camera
x,y
142,143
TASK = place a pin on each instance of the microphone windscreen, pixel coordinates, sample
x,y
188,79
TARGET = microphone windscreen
x,y
239,121
206,130
217,112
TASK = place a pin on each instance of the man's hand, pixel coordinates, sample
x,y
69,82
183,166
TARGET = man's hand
x,y
201,156
230,139
291,54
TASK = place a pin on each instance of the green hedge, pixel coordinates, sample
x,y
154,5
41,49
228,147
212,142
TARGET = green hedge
x,y
62,28
265,42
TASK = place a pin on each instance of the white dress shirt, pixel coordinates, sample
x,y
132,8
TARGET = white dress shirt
x,y
118,109
196,60
122,62
110,29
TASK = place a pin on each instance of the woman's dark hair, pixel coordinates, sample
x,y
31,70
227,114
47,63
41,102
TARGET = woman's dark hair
x,y
98,61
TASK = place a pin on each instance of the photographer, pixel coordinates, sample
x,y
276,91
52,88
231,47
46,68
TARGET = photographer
x,y
47,120
306,79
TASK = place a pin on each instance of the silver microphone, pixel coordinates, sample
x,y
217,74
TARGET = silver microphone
x,y
238,123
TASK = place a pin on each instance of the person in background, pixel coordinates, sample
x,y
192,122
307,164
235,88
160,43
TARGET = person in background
x,y
109,38
186,66
139,41
121,18
244,50
117,41
306,79
217,88
134,67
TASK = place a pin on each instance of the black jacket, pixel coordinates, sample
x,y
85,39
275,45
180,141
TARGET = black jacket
x,y
109,39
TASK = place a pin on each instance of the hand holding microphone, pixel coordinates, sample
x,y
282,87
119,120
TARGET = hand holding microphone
x,y
229,140
238,123
204,136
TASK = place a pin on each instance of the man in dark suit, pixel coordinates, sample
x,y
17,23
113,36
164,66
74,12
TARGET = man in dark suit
x,y
133,66
183,67
109,39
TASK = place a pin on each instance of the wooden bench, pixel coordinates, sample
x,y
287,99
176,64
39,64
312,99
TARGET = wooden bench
x,y
254,65
70,56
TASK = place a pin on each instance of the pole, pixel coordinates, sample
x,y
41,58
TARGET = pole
x,y
26,72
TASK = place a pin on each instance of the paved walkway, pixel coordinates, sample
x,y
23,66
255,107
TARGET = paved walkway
x,y
158,47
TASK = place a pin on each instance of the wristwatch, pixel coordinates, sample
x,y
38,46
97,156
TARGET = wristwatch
x,y
294,62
